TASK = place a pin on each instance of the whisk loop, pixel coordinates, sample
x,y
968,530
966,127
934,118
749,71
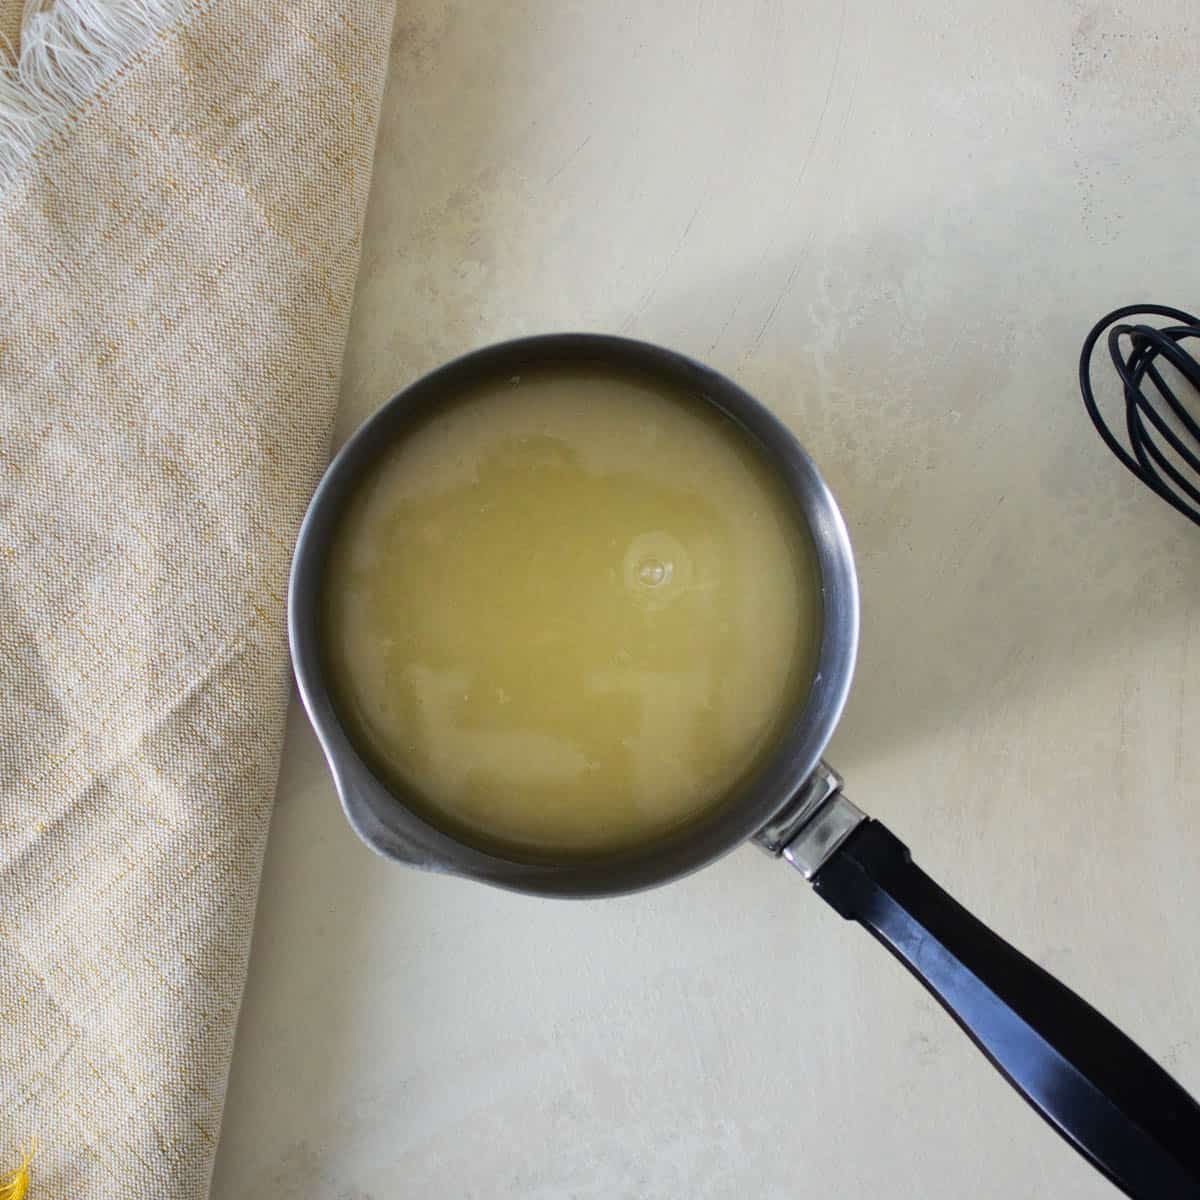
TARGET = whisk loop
x,y
1163,432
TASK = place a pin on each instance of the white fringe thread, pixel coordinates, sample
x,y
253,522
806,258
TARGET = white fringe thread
x,y
69,50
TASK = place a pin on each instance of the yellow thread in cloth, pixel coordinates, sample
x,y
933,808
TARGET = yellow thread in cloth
x,y
15,1185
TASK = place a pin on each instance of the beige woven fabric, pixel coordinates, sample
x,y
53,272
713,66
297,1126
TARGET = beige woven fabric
x,y
10,21
177,272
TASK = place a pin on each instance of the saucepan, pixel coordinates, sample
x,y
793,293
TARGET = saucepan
x,y
1102,1093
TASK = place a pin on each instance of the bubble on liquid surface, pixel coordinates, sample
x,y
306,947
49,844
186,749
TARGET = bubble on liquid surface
x,y
657,569
653,571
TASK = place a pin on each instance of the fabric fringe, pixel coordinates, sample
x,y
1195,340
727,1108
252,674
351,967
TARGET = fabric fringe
x,y
69,50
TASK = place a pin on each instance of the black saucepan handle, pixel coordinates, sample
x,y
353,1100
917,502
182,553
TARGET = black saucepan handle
x,y
1109,1099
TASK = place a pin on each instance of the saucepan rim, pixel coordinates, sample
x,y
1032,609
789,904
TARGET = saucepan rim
x,y
382,818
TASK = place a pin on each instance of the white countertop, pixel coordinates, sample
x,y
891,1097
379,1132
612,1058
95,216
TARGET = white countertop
x,y
894,224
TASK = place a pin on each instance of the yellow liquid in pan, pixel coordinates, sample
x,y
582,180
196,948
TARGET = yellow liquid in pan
x,y
569,612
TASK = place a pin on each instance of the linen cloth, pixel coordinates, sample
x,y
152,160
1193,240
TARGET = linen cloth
x,y
177,257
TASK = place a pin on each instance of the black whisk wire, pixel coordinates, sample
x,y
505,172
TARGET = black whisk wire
x,y
1147,426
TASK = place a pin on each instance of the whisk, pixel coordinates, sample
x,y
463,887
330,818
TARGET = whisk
x,y
1163,433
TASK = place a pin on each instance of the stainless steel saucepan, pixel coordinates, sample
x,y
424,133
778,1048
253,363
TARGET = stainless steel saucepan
x,y
1109,1099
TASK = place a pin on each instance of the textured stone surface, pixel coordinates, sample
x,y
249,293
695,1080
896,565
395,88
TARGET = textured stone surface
x,y
895,224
